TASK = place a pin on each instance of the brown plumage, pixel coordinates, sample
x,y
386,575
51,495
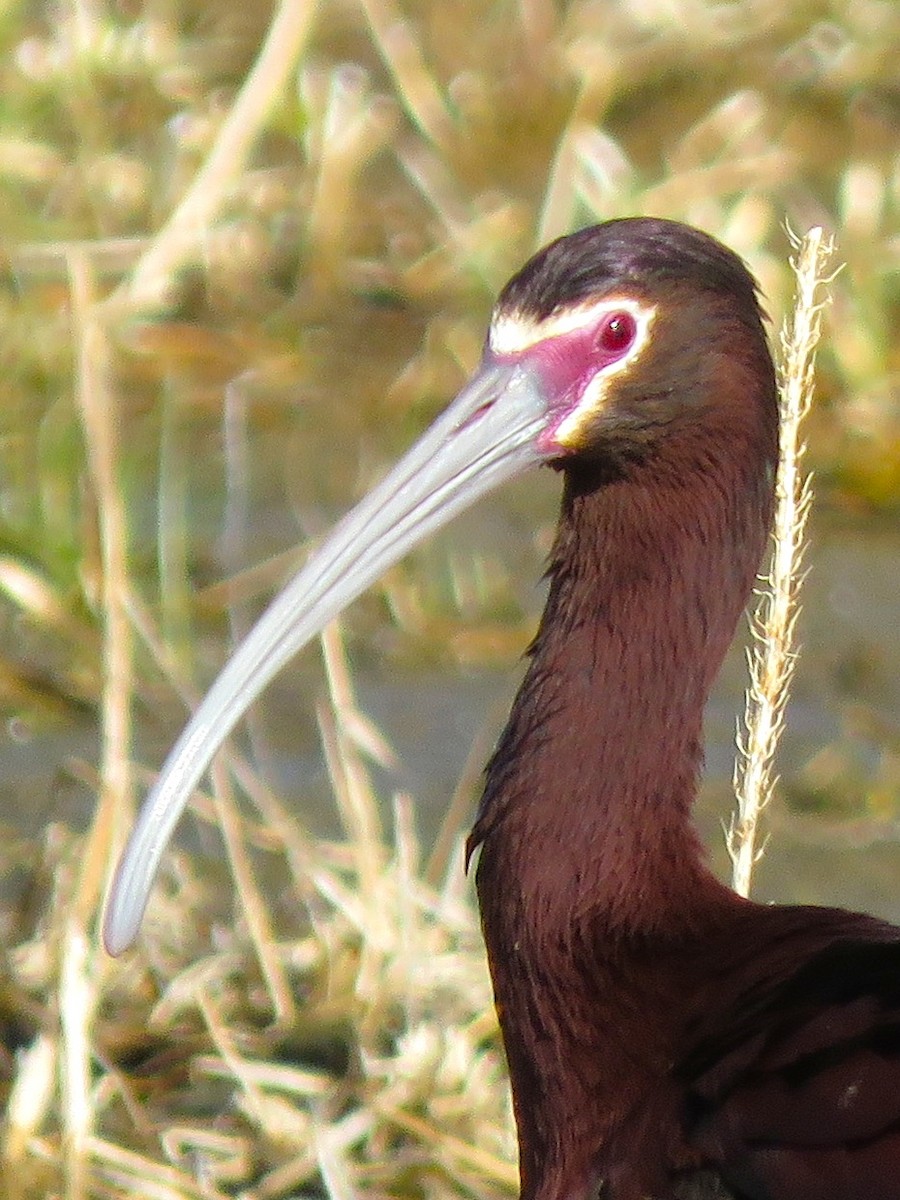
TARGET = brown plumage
x,y
656,1023
666,1039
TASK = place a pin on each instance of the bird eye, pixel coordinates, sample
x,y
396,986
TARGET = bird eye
x,y
617,333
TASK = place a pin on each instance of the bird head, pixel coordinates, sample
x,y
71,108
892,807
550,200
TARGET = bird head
x,y
632,330
599,349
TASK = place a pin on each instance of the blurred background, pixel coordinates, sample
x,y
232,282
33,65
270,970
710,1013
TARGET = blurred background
x,y
248,252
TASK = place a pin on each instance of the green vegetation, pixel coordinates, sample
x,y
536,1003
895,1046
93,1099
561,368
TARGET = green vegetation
x,y
248,250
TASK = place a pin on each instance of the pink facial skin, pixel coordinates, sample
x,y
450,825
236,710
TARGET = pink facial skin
x,y
566,364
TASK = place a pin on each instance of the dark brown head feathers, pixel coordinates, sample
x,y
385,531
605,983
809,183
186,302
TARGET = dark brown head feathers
x,y
633,252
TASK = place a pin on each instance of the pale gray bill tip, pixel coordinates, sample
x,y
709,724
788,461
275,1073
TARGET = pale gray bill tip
x,y
486,436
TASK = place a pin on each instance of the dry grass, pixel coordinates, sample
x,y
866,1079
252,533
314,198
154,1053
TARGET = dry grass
x,y
774,625
381,1070
289,223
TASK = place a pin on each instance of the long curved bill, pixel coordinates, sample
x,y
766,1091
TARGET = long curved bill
x,y
487,435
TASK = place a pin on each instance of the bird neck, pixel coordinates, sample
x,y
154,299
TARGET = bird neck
x,y
588,854
591,786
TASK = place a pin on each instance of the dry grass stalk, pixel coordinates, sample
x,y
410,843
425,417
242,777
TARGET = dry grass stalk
x,y
417,88
252,904
130,1174
351,128
354,795
185,229
487,1166
772,659
78,996
80,966
100,418
31,1098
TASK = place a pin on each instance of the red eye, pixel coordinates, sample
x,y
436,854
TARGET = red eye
x,y
617,333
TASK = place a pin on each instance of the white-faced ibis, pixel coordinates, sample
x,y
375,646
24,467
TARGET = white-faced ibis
x,y
665,1037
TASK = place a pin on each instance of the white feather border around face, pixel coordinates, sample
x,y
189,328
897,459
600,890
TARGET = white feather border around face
x,y
595,396
515,332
